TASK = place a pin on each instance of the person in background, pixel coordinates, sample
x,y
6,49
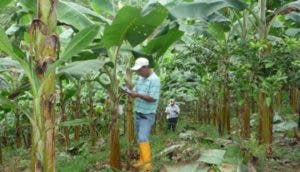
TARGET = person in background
x,y
172,111
146,94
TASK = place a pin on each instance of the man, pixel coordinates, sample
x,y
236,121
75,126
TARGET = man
x,y
172,111
146,94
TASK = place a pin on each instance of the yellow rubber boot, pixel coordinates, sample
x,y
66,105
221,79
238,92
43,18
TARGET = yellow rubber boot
x,y
140,162
146,156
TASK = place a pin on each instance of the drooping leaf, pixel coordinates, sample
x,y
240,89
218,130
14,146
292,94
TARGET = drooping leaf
x,y
29,4
6,104
69,93
293,16
203,9
3,3
10,63
115,33
151,18
134,25
217,30
160,44
292,32
5,44
83,10
69,14
284,126
81,68
102,6
80,41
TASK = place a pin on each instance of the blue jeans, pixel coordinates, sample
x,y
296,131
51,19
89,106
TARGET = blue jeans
x,y
143,124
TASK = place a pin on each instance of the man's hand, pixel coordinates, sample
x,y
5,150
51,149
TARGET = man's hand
x,y
133,94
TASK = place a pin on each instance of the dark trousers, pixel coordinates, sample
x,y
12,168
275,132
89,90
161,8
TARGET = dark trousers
x,y
172,123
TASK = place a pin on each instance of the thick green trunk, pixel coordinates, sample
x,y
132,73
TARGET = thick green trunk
x,y
265,122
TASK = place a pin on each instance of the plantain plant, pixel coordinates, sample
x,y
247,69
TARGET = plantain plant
x,y
40,69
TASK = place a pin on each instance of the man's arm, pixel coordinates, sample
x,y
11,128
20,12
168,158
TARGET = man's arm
x,y
141,96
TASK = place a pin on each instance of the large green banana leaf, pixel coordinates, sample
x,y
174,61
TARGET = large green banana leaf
x,y
80,68
134,25
203,9
160,44
3,3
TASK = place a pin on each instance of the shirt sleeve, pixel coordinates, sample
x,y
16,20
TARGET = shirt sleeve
x,y
154,89
178,109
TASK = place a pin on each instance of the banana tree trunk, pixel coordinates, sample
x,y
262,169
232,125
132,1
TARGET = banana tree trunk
x,y
77,110
93,133
265,122
245,130
18,130
44,47
294,98
113,91
129,112
225,119
63,114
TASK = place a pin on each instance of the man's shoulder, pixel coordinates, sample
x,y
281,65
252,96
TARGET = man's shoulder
x,y
154,77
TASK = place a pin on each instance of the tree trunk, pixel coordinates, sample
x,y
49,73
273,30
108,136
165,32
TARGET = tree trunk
x,y
44,48
245,117
129,105
278,102
93,133
18,130
113,91
294,98
77,111
115,160
226,111
265,122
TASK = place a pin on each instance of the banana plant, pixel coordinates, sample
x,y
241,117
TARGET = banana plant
x,y
40,70
133,25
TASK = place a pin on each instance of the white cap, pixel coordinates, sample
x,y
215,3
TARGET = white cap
x,y
140,62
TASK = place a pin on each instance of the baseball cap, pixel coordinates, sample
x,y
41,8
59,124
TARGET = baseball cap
x,y
140,62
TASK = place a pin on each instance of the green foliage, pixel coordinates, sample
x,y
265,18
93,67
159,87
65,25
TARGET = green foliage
x,y
102,7
159,45
133,25
81,68
80,41
70,14
3,3
205,8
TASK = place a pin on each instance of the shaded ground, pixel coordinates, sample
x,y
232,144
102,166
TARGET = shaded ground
x,y
180,151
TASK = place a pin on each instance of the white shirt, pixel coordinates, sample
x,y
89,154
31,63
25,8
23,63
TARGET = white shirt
x,y
172,111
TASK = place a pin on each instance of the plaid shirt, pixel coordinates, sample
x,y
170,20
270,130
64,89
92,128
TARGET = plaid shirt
x,y
147,86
